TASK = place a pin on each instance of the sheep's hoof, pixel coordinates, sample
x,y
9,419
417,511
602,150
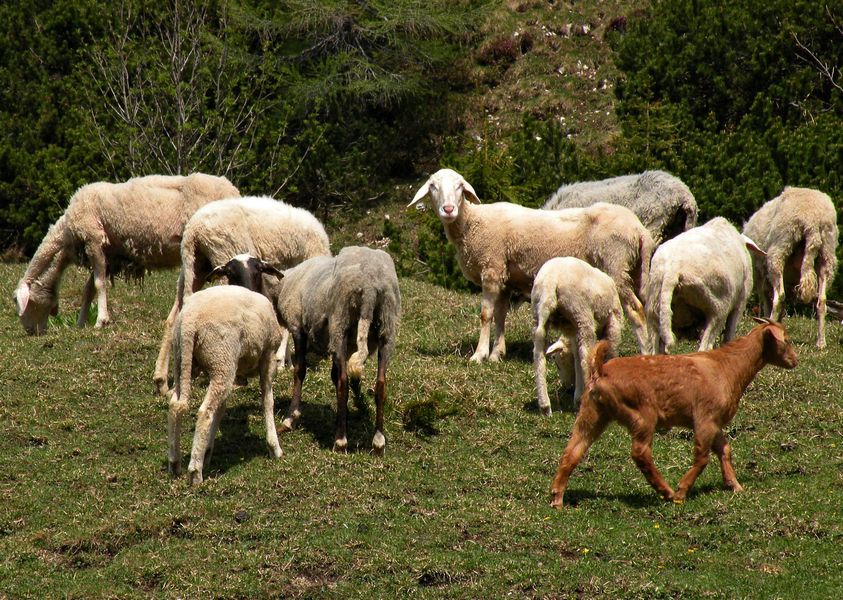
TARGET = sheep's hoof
x,y
102,323
174,469
378,444
341,445
194,477
275,451
161,387
287,425
477,357
545,410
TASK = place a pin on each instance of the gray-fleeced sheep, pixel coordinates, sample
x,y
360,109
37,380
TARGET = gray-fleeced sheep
x,y
502,246
582,301
226,332
342,306
272,230
699,283
665,205
114,228
798,231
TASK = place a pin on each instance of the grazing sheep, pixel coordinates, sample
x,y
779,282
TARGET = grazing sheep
x,y
501,247
798,231
665,205
112,227
699,283
699,391
341,306
583,302
281,234
226,332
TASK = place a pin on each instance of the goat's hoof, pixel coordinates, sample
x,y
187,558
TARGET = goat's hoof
x,y
556,501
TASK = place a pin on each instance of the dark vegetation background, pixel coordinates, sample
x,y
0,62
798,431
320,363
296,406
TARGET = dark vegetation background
x,y
345,106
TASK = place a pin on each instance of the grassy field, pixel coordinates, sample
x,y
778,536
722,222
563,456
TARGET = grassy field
x,y
458,507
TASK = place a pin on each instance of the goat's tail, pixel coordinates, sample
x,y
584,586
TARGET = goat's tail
x,y
807,288
597,359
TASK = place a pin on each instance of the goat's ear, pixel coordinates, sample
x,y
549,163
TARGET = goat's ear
x,y
556,347
469,192
752,246
763,320
219,271
268,269
423,191
22,297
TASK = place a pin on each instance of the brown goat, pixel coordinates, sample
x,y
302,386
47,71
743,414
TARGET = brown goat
x,y
699,391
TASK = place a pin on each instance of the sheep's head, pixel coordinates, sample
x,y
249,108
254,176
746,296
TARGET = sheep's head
x,y
447,191
34,304
246,271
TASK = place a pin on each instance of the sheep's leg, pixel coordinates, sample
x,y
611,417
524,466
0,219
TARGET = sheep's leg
x,y
732,323
487,304
586,339
340,375
87,297
588,426
98,264
178,408
703,437
283,353
723,449
634,311
267,374
207,421
821,309
777,284
540,366
379,441
299,373
642,455
162,363
709,336
501,308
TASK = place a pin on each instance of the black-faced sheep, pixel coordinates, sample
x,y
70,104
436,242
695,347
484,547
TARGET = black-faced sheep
x,y
281,234
502,246
342,306
665,205
113,227
226,332
798,231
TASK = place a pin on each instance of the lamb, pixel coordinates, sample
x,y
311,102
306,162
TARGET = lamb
x,y
276,232
341,306
660,200
501,247
699,283
583,302
699,391
127,227
798,230
226,332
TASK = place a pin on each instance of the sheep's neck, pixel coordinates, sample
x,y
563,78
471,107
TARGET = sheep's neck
x,y
461,226
741,360
51,257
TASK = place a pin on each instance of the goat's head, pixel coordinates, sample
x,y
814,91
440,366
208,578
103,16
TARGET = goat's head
x,y
447,191
34,303
778,350
246,271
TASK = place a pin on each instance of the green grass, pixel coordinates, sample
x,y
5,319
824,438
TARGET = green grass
x,y
458,508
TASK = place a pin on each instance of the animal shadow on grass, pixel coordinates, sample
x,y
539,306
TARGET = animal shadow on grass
x,y
560,401
644,499
518,350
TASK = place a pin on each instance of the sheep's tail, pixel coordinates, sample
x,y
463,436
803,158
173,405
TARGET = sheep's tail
x,y
368,301
807,288
597,359
183,343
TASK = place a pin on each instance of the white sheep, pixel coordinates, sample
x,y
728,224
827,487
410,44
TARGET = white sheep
x,y
699,283
113,227
225,332
583,302
798,231
341,306
278,233
501,247
665,205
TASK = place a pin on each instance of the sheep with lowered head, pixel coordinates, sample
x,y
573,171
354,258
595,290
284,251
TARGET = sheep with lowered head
x,y
114,228
699,283
225,332
665,205
342,306
583,302
278,233
798,231
502,246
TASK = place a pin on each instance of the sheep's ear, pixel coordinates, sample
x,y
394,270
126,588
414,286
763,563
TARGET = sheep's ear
x,y
423,191
469,192
752,246
268,269
219,271
22,297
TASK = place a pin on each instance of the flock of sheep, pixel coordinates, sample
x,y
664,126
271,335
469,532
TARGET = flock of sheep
x,y
597,250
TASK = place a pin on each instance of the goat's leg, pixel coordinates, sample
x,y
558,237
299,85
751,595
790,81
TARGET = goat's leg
x,y
822,283
487,304
501,308
267,374
87,297
589,425
642,455
379,441
723,449
205,428
340,368
703,437
299,373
